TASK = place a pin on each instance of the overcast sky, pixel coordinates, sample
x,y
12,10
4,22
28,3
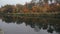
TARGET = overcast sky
x,y
4,2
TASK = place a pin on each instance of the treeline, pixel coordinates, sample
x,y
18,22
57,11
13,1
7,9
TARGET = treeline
x,y
31,8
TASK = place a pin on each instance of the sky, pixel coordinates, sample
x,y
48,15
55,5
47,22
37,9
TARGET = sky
x,y
13,2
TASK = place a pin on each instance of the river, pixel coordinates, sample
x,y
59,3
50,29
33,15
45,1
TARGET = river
x,y
24,25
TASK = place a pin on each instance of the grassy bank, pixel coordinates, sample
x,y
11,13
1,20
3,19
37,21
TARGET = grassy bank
x,y
45,15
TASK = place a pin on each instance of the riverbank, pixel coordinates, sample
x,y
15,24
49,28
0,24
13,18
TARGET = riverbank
x,y
54,15
35,15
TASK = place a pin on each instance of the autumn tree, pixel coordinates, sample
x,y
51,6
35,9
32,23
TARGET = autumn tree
x,y
19,8
8,9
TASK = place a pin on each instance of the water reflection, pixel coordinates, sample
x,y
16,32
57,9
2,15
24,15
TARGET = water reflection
x,y
49,24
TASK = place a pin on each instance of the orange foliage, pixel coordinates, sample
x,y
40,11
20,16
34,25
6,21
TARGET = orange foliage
x,y
25,9
34,9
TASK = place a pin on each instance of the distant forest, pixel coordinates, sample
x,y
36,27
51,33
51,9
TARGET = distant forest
x,y
35,6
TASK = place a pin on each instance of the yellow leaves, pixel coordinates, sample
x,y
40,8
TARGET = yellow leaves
x,y
25,9
31,8
39,9
34,9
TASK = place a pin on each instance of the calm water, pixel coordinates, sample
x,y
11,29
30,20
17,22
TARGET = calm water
x,y
27,25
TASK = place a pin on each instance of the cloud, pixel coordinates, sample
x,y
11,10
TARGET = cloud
x,y
13,2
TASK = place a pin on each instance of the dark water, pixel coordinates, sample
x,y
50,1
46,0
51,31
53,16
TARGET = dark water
x,y
29,25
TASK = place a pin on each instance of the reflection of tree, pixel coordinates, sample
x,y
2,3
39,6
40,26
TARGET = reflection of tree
x,y
7,19
45,26
48,24
57,28
50,30
36,28
18,20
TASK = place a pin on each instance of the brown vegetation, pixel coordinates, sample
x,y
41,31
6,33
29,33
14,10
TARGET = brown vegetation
x,y
30,8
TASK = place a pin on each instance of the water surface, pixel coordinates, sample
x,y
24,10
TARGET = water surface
x,y
25,25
